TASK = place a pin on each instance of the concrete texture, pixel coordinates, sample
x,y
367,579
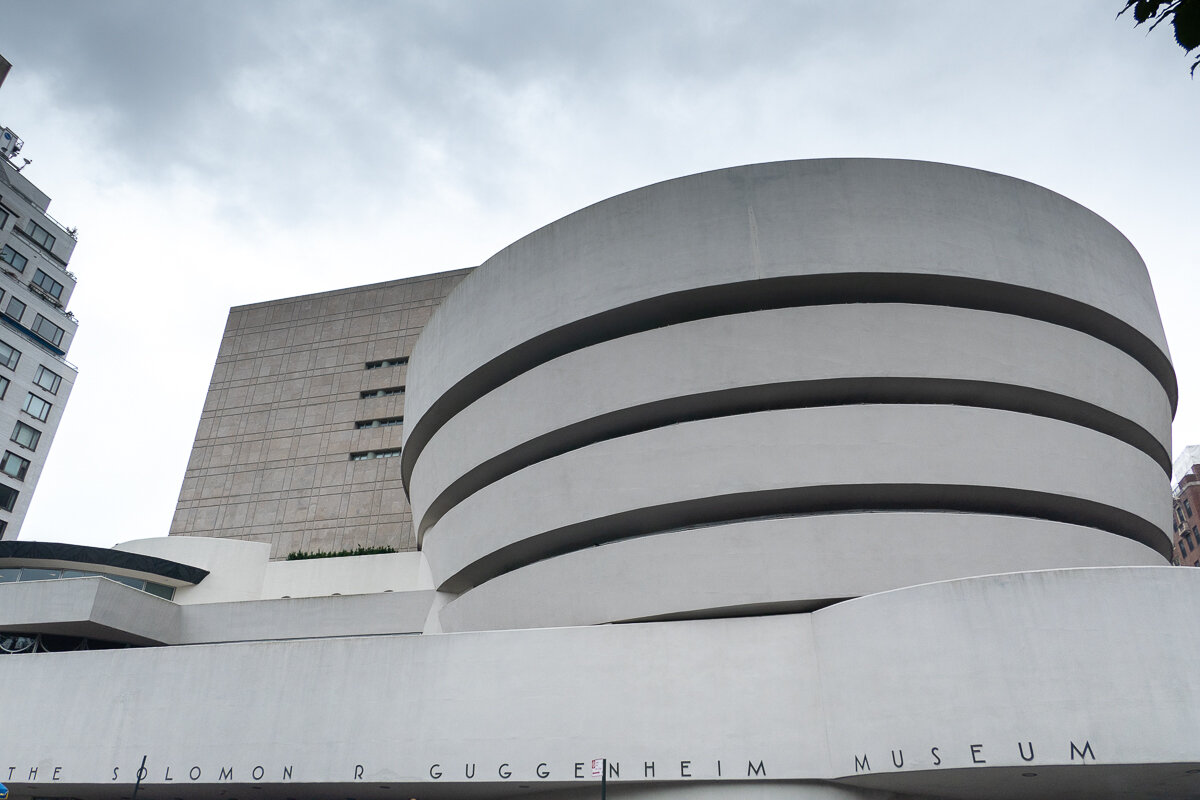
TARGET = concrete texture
x,y
799,461
240,571
776,565
271,462
800,356
873,218
971,668
106,611
644,381
88,607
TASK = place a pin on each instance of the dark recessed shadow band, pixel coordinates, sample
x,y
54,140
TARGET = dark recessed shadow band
x,y
788,292
809,501
792,395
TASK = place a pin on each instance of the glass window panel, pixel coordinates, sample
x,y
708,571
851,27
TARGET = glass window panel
x,y
159,590
13,258
46,379
9,355
26,436
35,574
8,497
78,573
47,330
40,235
10,574
136,583
47,284
13,465
15,309
37,407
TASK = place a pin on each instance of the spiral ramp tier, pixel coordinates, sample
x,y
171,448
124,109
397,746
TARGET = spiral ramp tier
x,y
770,388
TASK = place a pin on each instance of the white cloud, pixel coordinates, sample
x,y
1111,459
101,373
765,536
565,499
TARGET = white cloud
x,y
218,154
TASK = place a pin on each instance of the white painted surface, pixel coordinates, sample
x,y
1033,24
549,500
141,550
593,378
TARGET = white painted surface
x,y
773,565
823,216
1046,657
861,445
317,577
813,343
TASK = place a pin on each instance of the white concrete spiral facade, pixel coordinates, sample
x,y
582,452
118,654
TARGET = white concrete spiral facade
x,y
769,360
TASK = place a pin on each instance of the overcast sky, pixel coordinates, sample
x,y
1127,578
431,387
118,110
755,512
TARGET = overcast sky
x,y
214,154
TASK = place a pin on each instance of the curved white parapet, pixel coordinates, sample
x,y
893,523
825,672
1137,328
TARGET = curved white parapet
x,y
802,461
871,229
776,565
958,689
1013,674
792,357
786,340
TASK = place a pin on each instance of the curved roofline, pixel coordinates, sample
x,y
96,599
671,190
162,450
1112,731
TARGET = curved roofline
x,y
101,557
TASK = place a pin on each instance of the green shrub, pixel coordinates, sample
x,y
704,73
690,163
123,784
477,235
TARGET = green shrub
x,y
300,555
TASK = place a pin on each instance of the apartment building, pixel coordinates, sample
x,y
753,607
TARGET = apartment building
x,y
36,330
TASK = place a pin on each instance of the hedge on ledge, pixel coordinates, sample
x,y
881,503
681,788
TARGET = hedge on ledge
x,y
300,555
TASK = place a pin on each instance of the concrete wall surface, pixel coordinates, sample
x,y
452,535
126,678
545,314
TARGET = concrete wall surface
x,y
643,381
828,216
88,607
775,565
241,571
286,412
796,462
1036,684
810,355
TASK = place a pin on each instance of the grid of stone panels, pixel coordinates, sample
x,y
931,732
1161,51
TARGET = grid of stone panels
x,y
272,456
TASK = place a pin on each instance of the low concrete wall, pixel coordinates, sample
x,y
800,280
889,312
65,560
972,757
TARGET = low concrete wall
x,y
967,684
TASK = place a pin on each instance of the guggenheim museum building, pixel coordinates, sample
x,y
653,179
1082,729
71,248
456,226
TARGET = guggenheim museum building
x,y
837,479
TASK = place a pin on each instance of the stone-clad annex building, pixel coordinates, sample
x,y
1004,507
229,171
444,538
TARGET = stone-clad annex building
x,y
307,395
778,481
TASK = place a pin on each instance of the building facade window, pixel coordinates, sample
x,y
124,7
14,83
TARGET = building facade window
x,y
13,258
9,356
370,454
3,387
15,309
378,423
47,284
13,465
40,235
388,392
46,379
387,362
8,497
36,407
26,436
27,574
3,217
48,330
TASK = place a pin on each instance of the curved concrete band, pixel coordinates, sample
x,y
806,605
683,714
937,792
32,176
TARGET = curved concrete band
x,y
832,343
776,565
790,357
801,461
951,676
773,221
